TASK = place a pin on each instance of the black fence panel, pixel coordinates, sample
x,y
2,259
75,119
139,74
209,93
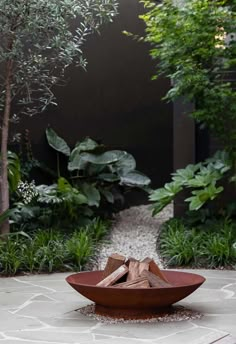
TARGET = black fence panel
x,y
115,101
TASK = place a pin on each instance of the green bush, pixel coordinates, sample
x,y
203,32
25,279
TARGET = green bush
x,y
178,246
98,229
94,184
102,175
211,245
80,248
202,180
194,44
10,256
50,250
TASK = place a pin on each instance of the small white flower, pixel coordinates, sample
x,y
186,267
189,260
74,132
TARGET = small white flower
x,y
27,191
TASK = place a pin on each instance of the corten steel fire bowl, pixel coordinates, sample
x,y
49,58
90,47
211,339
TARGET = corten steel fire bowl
x,y
130,303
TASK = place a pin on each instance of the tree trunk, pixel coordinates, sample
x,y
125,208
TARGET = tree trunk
x,y
4,186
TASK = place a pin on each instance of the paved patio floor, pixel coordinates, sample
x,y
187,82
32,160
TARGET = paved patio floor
x,y
41,309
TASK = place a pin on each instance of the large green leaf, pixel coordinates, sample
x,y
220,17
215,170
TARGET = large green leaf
x,y
6,214
108,195
108,177
14,174
86,145
125,165
63,185
76,163
94,170
79,161
135,179
92,194
56,142
104,158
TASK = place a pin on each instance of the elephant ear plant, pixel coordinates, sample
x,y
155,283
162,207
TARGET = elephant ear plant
x,y
100,174
37,44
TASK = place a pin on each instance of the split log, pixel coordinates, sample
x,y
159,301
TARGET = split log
x,y
113,263
133,270
143,266
113,277
153,267
130,259
140,282
154,280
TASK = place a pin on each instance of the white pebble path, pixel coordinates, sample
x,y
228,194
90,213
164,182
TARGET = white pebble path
x,y
134,233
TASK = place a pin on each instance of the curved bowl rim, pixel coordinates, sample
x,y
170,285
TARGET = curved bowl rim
x,y
200,282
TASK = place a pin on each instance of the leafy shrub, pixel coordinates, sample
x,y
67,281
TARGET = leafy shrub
x,y
10,256
50,250
65,203
80,248
219,247
98,229
199,55
201,179
208,245
177,245
101,175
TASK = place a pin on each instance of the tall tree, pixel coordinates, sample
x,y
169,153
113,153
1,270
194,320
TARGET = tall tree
x,y
37,43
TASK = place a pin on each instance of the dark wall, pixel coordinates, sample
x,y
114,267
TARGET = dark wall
x,y
115,101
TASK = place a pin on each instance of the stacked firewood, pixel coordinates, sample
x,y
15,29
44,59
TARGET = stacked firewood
x,y
120,272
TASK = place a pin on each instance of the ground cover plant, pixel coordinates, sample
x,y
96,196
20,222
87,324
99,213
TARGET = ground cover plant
x,y
211,245
50,250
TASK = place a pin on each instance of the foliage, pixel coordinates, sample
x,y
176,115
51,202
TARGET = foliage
x,y
194,43
65,204
38,38
98,229
50,250
57,205
177,245
99,174
14,170
202,179
10,256
38,41
211,244
80,248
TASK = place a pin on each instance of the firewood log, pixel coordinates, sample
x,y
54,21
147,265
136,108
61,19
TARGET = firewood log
x,y
133,270
153,267
113,277
143,266
113,263
154,280
140,282
130,259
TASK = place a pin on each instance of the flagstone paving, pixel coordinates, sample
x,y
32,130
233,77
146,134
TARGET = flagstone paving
x,y
41,309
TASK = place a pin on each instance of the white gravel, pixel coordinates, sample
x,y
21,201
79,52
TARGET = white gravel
x,y
134,233
177,313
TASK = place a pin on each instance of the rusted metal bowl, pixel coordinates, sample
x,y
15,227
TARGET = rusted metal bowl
x,y
130,303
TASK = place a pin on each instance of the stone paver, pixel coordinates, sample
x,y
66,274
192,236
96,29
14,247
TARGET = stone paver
x,y
42,310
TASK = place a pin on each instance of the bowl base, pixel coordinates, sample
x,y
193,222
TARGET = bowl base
x,y
133,313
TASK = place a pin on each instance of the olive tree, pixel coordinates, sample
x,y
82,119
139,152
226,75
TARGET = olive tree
x,y
39,39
